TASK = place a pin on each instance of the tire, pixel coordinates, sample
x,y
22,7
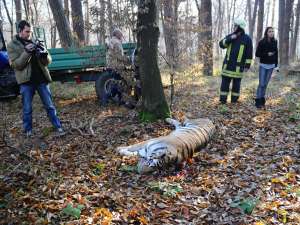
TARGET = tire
x,y
104,85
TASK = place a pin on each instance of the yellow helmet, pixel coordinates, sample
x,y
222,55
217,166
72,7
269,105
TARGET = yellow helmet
x,y
241,23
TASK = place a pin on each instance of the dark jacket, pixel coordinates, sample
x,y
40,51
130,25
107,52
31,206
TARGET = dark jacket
x,y
238,56
262,50
20,61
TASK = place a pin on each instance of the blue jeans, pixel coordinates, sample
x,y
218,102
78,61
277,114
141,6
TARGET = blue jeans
x,y
264,78
27,91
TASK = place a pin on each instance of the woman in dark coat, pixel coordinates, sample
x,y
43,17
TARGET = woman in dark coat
x,y
267,52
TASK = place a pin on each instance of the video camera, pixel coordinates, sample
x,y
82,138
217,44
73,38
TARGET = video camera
x,y
39,49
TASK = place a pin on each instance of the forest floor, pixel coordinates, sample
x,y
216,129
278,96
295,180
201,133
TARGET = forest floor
x,y
248,174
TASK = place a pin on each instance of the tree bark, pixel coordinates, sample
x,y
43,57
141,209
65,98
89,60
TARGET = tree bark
x,y
253,19
296,32
170,31
26,8
102,22
260,21
9,19
77,20
286,32
110,18
18,7
63,27
281,13
87,21
67,10
154,104
206,45
52,28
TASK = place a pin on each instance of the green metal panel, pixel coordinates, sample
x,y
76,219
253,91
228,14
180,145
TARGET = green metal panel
x,y
82,58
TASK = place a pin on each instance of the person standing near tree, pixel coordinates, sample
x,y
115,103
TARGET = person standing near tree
x,y
30,65
267,52
237,60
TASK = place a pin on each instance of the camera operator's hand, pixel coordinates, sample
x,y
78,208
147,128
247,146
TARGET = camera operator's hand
x,y
29,48
233,36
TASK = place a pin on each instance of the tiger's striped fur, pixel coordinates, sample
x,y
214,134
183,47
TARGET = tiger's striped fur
x,y
174,148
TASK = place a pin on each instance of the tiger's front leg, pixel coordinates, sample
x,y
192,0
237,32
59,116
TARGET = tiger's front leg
x,y
173,122
132,150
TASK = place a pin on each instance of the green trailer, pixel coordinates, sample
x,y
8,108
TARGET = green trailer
x,y
85,64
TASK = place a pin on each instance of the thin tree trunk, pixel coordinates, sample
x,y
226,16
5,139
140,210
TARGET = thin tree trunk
x,y
36,11
286,33
260,21
110,18
253,19
18,7
249,6
63,27
9,19
273,13
52,28
67,10
154,103
102,22
77,20
206,37
268,12
296,32
87,22
26,8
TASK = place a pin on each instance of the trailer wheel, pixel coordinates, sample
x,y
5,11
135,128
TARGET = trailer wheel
x,y
105,87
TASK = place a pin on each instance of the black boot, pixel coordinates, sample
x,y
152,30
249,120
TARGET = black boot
x,y
258,103
263,102
223,99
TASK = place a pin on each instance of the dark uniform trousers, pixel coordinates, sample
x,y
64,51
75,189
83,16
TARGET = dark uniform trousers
x,y
235,90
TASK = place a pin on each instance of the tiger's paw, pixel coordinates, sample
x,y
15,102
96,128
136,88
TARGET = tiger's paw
x,y
125,151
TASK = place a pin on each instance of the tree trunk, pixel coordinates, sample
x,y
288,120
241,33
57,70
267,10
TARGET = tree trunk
x,y
110,18
260,21
102,22
281,13
67,10
87,22
249,6
52,28
206,37
154,104
9,19
268,12
26,8
273,13
36,12
18,7
170,31
286,34
296,32
63,27
253,19
77,20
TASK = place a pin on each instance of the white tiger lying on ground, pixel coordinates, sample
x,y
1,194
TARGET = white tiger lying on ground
x,y
173,149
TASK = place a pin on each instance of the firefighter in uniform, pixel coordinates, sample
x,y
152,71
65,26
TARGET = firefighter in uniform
x,y
237,60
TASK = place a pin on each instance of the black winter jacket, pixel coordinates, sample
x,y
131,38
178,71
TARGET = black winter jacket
x,y
238,56
262,50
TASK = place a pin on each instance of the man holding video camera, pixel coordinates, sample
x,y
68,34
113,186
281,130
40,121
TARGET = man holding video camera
x,y
29,61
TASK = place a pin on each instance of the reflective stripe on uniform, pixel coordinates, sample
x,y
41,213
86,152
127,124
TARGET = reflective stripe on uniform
x,y
233,74
241,52
224,93
228,52
235,94
248,61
